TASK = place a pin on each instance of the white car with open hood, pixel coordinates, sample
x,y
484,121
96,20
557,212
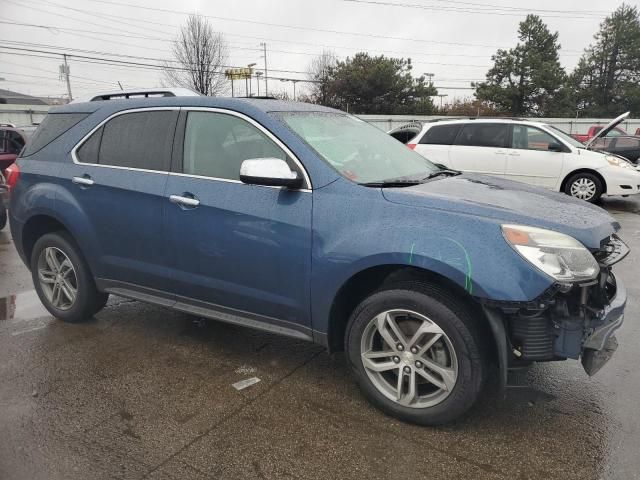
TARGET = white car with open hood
x,y
526,151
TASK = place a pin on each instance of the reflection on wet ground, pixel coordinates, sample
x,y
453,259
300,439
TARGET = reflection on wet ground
x,y
144,392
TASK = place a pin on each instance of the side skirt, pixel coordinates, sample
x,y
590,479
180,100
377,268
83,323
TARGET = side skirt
x,y
206,309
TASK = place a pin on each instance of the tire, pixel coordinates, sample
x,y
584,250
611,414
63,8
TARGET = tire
x,y
432,405
3,217
87,300
584,186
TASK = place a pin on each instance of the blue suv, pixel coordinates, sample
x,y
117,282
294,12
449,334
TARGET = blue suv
x,y
308,222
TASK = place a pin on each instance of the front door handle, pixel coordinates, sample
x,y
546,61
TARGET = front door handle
x,y
184,201
86,181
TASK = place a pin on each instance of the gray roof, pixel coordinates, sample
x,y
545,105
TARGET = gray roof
x,y
15,98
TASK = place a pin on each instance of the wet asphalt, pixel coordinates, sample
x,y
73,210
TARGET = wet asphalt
x,y
144,392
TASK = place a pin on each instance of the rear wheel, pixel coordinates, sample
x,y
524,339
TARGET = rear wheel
x,y
62,279
416,354
585,186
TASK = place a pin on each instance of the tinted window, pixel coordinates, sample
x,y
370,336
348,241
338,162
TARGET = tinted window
x,y
215,145
139,140
88,152
484,135
441,135
53,125
530,138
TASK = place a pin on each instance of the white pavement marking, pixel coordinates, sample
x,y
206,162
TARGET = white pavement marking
x,y
242,384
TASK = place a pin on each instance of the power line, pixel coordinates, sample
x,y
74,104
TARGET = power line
x,y
491,10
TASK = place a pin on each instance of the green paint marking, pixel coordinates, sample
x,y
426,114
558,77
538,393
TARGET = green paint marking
x,y
411,253
467,278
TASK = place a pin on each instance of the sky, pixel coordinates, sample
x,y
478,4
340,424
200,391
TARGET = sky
x,y
453,40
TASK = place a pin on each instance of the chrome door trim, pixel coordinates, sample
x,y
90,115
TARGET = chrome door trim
x,y
308,185
74,155
271,136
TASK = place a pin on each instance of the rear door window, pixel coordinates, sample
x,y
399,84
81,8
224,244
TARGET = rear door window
x,y
484,135
441,135
140,140
53,125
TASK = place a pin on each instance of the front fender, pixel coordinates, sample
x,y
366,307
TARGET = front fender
x,y
468,250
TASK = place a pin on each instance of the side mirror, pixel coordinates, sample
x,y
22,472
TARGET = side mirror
x,y
269,171
555,147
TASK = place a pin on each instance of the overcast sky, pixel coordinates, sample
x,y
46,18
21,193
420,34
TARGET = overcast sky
x,y
454,40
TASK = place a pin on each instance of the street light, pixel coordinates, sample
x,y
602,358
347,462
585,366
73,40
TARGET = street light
x,y
294,81
258,75
248,79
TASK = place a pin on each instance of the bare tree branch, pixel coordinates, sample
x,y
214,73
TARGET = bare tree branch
x,y
200,56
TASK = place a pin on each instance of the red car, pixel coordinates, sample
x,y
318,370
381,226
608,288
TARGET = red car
x,y
11,142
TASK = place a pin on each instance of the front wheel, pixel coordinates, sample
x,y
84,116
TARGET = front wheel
x,y
584,186
416,354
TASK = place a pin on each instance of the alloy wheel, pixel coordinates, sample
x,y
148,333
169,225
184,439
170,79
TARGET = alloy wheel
x,y
583,188
409,358
57,278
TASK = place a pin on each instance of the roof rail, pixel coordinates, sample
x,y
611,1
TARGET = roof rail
x,y
519,119
140,93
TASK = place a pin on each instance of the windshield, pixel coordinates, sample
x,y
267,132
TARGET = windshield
x,y
357,150
566,137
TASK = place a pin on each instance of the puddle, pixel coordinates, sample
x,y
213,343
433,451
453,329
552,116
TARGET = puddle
x,y
23,306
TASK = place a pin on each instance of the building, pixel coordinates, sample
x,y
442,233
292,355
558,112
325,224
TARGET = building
x,y
20,109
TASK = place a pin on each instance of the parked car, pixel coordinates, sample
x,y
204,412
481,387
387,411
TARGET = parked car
x,y
304,221
627,147
594,130
526,151
11,142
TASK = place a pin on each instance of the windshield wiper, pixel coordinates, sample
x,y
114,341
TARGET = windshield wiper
x,y
392,183
444,171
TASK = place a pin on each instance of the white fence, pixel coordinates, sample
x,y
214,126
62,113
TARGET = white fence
x,y
569,125
22,115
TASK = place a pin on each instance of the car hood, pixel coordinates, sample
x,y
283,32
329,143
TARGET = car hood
x,y
505,201
607,128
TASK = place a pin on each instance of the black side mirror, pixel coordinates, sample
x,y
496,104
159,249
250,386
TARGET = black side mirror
x,y
555,147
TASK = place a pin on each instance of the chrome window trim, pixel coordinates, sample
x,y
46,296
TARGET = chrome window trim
x,y
74,156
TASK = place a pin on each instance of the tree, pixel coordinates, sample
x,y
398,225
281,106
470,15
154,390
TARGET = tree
x,y
200,55
471,108
525,79
605,82
366,84
318,73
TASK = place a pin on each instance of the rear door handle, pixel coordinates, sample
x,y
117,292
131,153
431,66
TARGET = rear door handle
x,y
184,201
86,181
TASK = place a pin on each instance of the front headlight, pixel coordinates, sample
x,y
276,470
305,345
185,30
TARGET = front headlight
x,y
558,255
617,162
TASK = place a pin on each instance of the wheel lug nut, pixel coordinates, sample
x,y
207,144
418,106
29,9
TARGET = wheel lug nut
x,y
396,359
418,364
407,369
400,347
414,350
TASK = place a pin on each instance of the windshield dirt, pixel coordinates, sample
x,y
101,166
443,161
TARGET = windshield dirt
x,y
357,150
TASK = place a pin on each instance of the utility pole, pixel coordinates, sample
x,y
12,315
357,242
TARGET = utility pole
x,y
64,72
258,74
266,74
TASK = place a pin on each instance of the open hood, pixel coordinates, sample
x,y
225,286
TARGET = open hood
x,y
610,126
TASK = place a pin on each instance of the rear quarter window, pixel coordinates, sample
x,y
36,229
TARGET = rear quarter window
x,y
441,135
53,125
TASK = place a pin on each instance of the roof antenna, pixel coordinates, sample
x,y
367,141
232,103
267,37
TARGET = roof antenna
x,y
120,85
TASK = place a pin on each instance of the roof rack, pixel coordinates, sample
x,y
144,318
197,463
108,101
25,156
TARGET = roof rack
x,y
141,93
519,119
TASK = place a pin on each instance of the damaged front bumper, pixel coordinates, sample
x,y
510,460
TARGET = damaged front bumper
x,y
601,343
568,321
